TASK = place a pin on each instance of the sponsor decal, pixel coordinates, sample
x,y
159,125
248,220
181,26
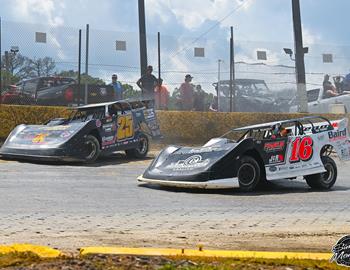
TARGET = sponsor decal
x,y
192,162
40,138
321,137
149,114
204,150
275,159
302,149
103,91
274,146
65,134
283,168
273,169
345,153
54,128
341,251
108,140
337,135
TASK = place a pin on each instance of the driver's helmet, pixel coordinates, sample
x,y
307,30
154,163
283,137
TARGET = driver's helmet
x,y
276,129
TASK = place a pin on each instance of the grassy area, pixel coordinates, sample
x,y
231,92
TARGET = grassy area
x,y
17,261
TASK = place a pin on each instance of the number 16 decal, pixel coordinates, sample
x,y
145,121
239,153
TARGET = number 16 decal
x,y
301,149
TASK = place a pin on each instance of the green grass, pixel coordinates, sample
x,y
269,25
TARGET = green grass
x,y
17,260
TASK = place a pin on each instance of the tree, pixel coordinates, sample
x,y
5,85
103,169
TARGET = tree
x,y
15,64
130,92
40,67
7,78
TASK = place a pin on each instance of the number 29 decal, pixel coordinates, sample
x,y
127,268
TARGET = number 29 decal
x,y
302,149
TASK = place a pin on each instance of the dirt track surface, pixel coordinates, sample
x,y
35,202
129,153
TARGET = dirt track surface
x,y
70,206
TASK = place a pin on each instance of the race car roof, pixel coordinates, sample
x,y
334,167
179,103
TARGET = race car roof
x,y
95,105
134,103
271,124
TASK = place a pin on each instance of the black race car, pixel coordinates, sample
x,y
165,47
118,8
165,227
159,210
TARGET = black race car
x,y
270,151
91,130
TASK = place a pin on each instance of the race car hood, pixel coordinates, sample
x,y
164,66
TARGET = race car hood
x,y
190,164
40,136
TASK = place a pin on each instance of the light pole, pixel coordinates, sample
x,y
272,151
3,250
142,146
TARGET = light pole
x,y
219,84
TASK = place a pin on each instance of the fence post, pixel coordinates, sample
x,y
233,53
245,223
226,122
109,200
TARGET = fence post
x,y
86,63
232,74
79,67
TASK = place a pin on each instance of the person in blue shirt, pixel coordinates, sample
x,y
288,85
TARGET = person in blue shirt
x,y
118,88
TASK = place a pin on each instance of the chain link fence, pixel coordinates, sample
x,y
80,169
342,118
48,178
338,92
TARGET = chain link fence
x,y
40,66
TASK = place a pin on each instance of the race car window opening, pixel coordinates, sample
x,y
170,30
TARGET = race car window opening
x,y
87,115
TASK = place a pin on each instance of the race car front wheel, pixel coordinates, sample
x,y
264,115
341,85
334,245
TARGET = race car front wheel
x,y
248,174
142,149
92,149
324,180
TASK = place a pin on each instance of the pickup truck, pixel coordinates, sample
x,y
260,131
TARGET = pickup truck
x,y
319,103
56,91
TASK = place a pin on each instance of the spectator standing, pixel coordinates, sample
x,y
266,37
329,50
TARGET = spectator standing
x,y
147,83
187,93
214,106
199,97
328,89
118,88
161,96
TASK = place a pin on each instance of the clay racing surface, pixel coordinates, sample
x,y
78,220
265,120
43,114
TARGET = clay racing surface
x,y
70,206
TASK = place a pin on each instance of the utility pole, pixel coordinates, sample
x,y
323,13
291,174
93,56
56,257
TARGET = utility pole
x,y
299,58
142,36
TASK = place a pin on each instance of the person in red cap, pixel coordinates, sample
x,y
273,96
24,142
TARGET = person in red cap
x,y
161,96
187,93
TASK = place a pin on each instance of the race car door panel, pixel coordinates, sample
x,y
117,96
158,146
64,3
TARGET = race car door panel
x,y
302,158
125,129
109,130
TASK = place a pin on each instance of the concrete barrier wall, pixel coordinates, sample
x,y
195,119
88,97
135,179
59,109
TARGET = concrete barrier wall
x,y
189,127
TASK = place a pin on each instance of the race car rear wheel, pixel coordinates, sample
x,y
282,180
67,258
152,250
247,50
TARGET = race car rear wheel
x,y
142,149
324,180
248,174
92,149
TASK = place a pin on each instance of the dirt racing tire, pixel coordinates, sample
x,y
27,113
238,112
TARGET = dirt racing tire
x,y
248,174
92,149
142,149
326,180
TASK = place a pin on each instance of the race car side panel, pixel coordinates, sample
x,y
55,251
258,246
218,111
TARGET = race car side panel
x,y
198,164
302,157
